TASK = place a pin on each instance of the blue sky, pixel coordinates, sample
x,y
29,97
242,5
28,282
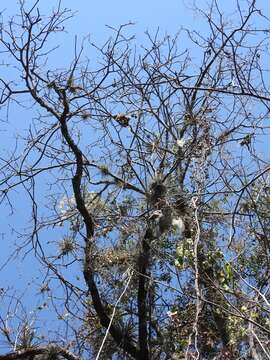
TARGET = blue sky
x,y
170,15
90,18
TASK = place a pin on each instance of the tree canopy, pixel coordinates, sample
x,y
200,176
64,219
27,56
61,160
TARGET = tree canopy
x,y
145,182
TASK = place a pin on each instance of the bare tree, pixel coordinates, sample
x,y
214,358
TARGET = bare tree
x,y
147,165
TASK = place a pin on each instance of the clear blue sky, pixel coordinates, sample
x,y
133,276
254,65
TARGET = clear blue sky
x,y
169,15
91,18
